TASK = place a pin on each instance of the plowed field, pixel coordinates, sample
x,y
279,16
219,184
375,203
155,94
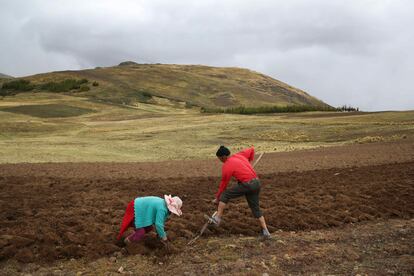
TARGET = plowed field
x,y
50,218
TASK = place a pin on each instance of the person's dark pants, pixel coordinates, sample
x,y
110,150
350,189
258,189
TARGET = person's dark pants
x,y
250,190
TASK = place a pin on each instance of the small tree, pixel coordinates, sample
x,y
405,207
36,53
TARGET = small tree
x,y
18,85
84,88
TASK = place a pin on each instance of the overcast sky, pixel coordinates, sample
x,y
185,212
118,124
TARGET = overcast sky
x,y
355,52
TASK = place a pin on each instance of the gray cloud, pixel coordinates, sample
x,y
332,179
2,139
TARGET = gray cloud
x,y
343,52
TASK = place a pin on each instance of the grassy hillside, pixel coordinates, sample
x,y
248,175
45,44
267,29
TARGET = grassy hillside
x,y
177,85
52,127
147,112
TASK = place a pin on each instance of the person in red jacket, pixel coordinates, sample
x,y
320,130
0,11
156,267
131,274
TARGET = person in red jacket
x,y
238,166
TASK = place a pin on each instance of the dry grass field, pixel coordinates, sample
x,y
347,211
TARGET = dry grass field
x,y
48,127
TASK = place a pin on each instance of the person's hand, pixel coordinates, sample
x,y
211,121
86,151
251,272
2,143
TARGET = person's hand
x,y
166,244
215,201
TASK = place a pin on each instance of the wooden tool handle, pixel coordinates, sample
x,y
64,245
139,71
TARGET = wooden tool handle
x,y
258,159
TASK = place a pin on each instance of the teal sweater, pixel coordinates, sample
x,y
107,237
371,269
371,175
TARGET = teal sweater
x,y
151,210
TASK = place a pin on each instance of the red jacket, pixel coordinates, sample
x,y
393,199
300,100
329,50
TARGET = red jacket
x,y
237,165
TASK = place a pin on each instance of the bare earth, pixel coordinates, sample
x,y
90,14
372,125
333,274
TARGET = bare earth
x,y
341,210
304,160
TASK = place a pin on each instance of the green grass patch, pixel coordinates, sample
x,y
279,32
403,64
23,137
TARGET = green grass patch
x,y
48,110
267,109
65,85
144,96
11,87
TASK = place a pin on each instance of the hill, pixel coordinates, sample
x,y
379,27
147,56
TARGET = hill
x,y
4,76
178,85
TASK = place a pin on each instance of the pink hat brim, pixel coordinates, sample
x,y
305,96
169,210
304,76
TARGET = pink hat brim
x,y
171,207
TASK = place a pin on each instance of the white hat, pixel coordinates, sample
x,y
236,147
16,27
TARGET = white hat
x,y
174,204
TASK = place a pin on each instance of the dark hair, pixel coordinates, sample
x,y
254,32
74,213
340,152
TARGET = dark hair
x,y
222,151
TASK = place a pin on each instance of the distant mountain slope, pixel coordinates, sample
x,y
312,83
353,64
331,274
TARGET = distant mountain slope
x,y
189,85
4,76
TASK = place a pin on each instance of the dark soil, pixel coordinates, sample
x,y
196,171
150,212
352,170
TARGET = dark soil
x,y
47,218
354,155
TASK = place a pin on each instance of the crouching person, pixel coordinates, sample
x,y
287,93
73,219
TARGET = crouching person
x,y
143,213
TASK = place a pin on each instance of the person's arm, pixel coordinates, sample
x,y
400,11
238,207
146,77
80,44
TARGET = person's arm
x,y
248,153
160,219
225,179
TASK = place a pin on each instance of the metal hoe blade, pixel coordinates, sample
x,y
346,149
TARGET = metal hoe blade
x,y
202,229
